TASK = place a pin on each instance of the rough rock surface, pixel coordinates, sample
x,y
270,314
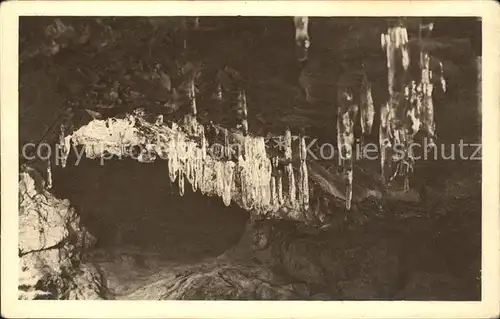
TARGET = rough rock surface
x,y
50,244
350,261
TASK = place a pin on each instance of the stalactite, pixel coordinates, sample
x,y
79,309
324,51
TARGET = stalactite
x,y
274,203
228,182
302,39
394,121
90,151
349,178
415,106
218,95
196,23
367,108
255,174
242,110
304,178
427,87
173,161
395,42
186,147
64,146
181,184
281,198
49,173
346,116
219,177
192,98
227,149
289,170
159,120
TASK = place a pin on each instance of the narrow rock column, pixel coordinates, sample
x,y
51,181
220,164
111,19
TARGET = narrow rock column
x,y
393,124
289,170
192,98
302,39
304,179
49,173
64,146
366,109
242,110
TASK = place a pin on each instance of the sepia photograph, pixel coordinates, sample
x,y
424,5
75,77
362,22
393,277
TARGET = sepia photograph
x,y
250,157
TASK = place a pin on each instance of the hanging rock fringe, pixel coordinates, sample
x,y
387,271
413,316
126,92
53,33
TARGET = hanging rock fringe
x,y
395,43
304,178
255,175
346,116
426,88
367,108
302,39
186,150
192,98
241,105
410,107
49,173
292,192
64,146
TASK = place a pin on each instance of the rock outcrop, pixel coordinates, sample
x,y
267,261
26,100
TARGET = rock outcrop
x,y
51,242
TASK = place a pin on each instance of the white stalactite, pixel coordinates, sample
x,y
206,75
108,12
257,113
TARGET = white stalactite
x,y
427,88
304,178
181,184
64,146
242,108
49,173
395,43
192,97
302,39
292,192
367,108
281,198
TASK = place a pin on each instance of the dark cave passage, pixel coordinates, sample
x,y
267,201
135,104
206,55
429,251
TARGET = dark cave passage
x,y
128,204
